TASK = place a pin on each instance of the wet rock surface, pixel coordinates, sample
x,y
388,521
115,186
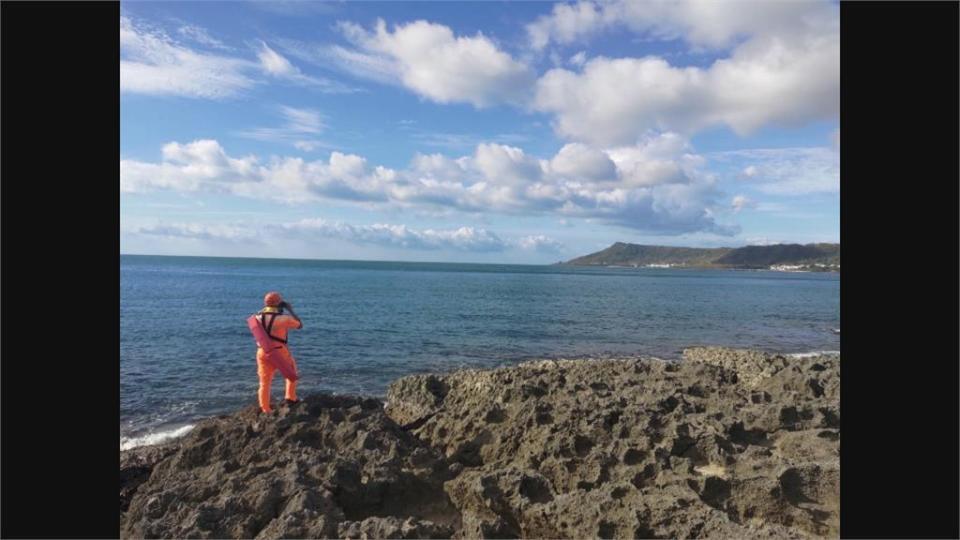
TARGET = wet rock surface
x,y
724,443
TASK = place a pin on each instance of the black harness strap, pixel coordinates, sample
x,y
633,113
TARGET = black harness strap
x,y
267,326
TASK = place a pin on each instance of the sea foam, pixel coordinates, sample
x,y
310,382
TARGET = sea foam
x,y
156,437
811,354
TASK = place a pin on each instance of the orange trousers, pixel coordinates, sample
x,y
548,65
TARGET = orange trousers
x,y
266,371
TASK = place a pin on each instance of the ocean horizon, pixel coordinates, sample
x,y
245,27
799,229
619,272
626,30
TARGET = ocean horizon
x,y
186,352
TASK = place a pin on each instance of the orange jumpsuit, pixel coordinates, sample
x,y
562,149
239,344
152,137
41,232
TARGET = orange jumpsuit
x,y
281,324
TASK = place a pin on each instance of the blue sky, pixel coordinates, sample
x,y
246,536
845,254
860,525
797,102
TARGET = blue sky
x,y
526,132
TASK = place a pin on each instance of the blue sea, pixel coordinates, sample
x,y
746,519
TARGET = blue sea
x,y
186,353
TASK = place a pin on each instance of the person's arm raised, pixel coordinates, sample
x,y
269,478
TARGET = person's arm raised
x,y
293,313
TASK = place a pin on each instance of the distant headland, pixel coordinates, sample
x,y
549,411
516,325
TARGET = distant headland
x,y
782,257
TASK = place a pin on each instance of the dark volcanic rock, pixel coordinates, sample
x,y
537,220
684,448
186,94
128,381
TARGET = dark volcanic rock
x,y
725,443
318,469
135,468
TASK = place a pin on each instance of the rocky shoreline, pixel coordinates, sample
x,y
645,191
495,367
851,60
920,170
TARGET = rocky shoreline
x,y
724,443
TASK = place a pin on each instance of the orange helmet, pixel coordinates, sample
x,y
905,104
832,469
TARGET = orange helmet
x,y
272,299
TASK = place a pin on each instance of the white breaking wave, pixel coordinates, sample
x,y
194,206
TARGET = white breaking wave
x,y
811,354
126,443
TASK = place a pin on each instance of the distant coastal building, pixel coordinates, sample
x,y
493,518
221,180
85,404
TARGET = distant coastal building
x,y
803,267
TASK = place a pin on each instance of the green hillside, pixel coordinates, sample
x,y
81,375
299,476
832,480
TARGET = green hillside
x,y
764,256
827,256
623,254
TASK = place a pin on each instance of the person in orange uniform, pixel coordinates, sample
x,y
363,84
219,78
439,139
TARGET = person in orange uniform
x,y
276,323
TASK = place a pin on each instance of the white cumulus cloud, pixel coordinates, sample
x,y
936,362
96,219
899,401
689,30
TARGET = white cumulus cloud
x,y
567,23
541,243
576,160
783,69
200,231
469,239
432,61
701,23
656,185
656,159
